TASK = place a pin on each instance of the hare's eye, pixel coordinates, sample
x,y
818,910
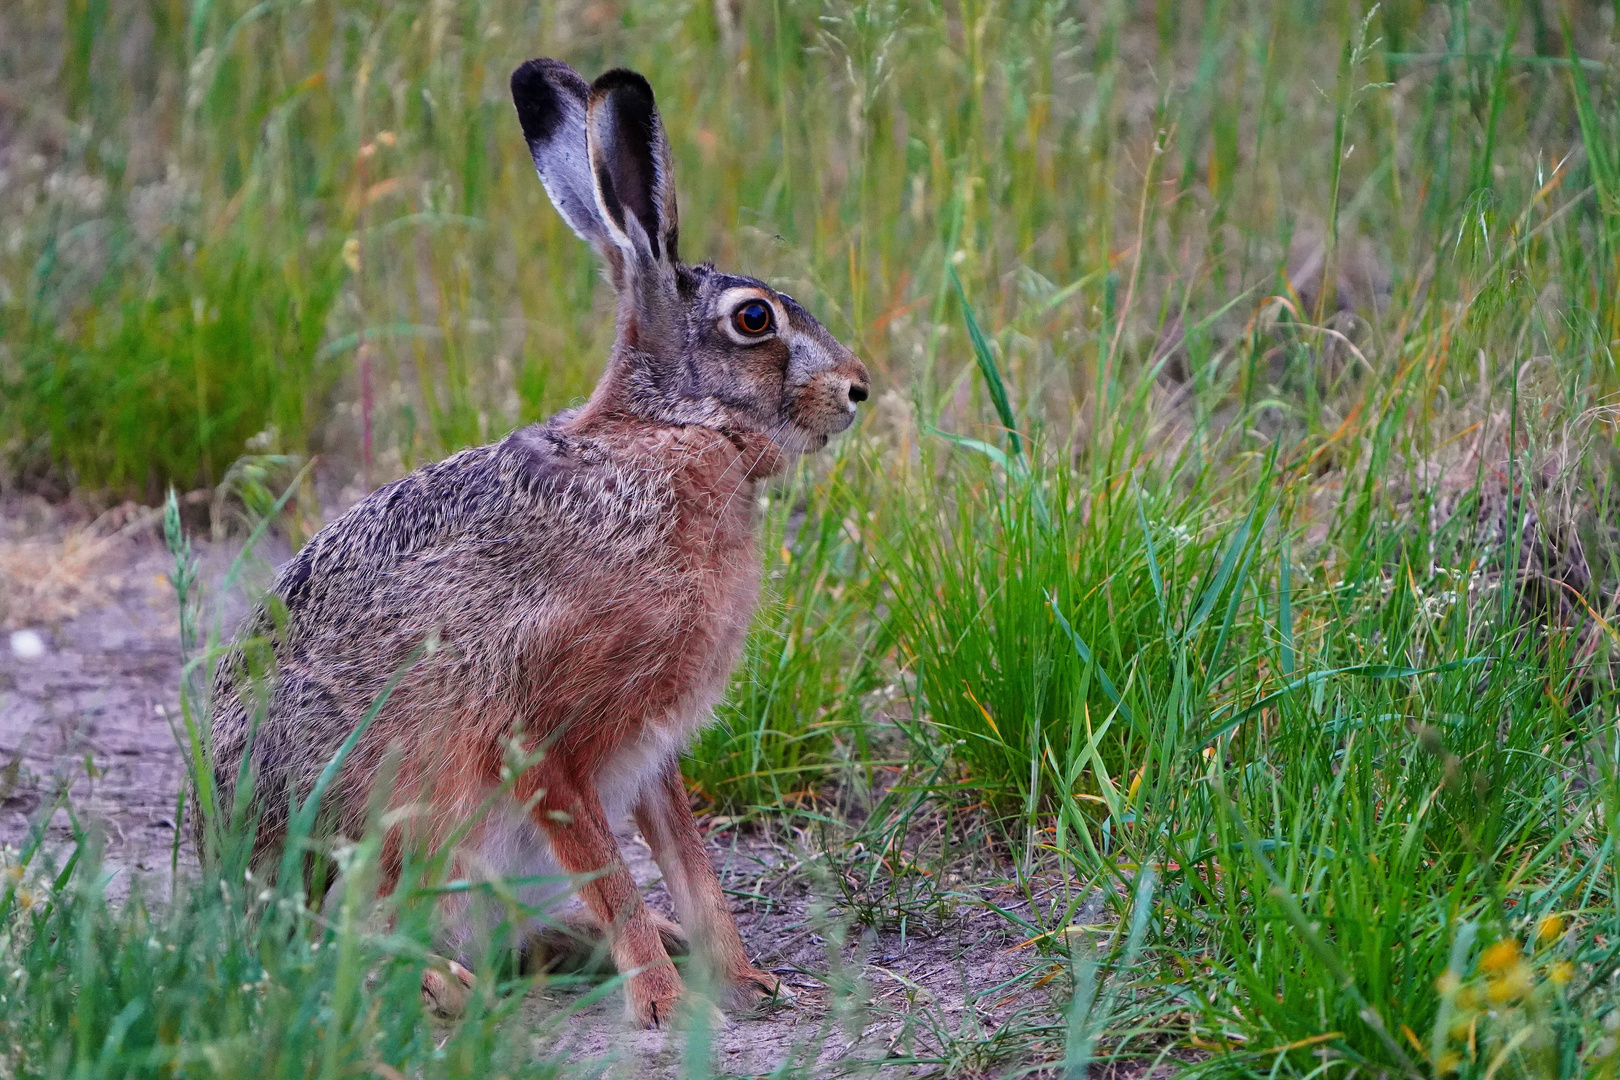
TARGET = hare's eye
x,y
753,318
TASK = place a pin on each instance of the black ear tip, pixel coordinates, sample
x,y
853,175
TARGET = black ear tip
x,y
620,80
536,85
530,77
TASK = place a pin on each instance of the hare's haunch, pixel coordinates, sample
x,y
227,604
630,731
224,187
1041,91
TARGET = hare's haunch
x,y
588,582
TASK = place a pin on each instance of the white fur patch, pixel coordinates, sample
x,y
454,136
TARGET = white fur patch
x,y
622,780
506,847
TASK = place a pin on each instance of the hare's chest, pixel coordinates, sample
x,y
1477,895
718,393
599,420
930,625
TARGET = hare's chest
x,y
721,586
688,656
651,635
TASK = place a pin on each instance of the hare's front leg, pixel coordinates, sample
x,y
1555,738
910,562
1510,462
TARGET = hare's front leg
x,y
665,820
572,818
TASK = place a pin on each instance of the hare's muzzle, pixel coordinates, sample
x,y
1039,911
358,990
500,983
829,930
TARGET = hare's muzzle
x,y
847,385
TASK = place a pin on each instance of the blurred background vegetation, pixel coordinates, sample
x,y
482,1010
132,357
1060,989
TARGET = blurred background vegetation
x,y
228,218
1288,611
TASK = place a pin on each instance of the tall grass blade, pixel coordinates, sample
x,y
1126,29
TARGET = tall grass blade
x,y
302,825
1083,651
987,366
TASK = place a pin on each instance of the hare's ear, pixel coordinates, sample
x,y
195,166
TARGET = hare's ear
x,y
552,102
635,184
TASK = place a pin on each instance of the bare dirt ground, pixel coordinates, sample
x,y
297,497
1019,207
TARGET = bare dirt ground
x,y
87,726
866,1003
87,723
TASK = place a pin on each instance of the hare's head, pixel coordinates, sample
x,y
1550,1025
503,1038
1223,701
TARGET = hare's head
x,y
695,345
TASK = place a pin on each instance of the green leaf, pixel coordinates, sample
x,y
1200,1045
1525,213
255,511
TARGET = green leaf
x,y
1090,661
1217,584
987,366
1152,559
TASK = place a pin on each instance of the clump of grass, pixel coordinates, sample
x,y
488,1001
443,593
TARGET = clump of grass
x,y
231,979
175,368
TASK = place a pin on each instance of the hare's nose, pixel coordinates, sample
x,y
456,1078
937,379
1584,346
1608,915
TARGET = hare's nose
x,y
857,392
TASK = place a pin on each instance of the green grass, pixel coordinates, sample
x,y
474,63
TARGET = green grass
x,y
1276,604
228,982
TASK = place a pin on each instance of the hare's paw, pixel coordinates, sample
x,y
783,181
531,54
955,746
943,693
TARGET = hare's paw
x,y
654,996
750,990
445,985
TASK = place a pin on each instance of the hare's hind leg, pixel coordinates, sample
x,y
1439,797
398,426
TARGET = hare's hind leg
x,y
445,982
445,986
572,817
666,822
573,941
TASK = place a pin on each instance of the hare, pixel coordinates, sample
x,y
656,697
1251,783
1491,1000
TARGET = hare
x,y
585,584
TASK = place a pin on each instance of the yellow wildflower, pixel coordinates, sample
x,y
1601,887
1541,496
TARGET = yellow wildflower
x,y
1549,928
1512,984
1500,957
1561,973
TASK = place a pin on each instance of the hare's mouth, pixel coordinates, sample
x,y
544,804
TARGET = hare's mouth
x,y
800,440
817,425
814,418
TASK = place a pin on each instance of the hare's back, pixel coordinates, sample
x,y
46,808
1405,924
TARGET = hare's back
x,y
482,535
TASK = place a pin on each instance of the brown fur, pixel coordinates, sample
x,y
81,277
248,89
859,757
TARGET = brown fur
x,y
582,588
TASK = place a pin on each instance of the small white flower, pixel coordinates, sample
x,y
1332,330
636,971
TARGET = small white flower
x,y
27,645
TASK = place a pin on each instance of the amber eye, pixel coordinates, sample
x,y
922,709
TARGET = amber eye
x,y
753,318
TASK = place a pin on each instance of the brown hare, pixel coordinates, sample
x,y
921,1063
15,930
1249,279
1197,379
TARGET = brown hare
x,y
588,582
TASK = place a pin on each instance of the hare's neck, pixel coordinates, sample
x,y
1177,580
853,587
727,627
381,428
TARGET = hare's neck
x,y
645,387
629,397
716,474
715,484
759,457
